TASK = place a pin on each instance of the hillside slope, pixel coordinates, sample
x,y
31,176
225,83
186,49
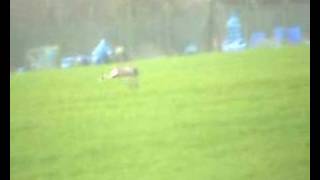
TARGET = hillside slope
x,y
235,116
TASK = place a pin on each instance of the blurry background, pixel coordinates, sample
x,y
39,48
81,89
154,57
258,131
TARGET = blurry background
x,y
146,28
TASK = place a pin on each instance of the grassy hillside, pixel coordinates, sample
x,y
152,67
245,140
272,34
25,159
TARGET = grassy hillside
x,y
234,116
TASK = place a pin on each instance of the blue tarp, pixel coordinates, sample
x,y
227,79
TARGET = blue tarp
x,y
233,46
70,61
257,38
67,62
291,35
100,54
279,34
294,35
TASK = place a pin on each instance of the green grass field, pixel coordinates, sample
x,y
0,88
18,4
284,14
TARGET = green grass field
x,y
237,116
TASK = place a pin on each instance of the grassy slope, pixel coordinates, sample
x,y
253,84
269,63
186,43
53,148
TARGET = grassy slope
x,y
212,116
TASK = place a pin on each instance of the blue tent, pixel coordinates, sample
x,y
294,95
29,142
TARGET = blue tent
x,y
102,52
294,35
235,40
